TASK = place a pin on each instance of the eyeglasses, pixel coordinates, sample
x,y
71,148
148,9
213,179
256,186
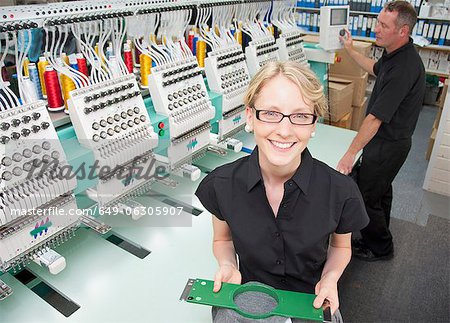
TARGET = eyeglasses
x,y
300,118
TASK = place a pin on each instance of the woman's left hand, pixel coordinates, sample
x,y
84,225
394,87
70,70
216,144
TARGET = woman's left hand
x,y
326,288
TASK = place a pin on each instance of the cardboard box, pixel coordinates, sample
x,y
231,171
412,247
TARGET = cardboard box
x,y
431,144
344,64
441,100
340,97
359,86
358,114
345,122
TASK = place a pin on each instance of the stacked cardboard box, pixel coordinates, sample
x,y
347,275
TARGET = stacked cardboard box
x,y
440,104
340,93
346,69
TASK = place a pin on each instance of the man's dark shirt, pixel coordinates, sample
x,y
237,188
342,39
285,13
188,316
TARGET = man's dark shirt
x,y
398,92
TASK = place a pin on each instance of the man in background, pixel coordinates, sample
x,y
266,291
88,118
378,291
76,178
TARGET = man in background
x,y
391,117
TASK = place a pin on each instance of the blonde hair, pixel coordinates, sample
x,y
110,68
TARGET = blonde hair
x,y
303,77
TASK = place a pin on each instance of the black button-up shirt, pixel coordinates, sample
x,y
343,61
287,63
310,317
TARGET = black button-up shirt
x,y
398,92
287,251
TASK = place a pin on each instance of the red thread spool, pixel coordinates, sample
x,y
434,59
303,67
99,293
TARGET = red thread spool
x,y
54,96
191,39
82,66
137,52
128,57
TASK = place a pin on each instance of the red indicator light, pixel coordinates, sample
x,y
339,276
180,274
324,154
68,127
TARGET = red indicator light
x,y
161,125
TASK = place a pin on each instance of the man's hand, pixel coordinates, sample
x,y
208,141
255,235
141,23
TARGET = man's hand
x,y
346,163
226,274
327,289
347,40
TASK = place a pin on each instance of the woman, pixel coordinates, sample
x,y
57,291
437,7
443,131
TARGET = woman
x,y
287,216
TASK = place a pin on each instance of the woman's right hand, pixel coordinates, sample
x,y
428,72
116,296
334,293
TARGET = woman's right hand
x,y
226,274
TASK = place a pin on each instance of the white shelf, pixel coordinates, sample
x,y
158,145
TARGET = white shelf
x,y
433,18
438,47
308,9
436,72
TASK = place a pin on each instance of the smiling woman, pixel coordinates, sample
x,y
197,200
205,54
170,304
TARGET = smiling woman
x,y
287,216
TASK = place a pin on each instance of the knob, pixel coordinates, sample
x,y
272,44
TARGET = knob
x,y
17,157
136,110
37,149
46,159
142,117
4,126
4,139
36,115
103,123
17,171
117,117
95,126
130,123
130,112
15,135
35,128
95,138
137,121
110,131
124,126
87,110
103,134
123,115
27,153
6,161
55,154
26,119
110,120
37,163
27,166
46,145
45,125
342,32
25,132
117,129
15,122
7,176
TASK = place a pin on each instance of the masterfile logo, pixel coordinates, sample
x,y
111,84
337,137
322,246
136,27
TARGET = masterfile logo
x,y
237,119
41,228
192,143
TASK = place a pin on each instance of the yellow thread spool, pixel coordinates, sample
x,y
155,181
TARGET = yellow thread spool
x,y
67,85
238,33
201,52
271,29
41,69
26,62
146,65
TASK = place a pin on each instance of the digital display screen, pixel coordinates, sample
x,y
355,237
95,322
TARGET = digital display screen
x,y
338,17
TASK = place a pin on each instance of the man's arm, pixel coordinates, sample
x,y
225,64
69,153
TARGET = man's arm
x,y
368,129
364,62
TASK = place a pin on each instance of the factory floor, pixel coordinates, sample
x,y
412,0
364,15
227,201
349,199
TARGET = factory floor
x,y
414,286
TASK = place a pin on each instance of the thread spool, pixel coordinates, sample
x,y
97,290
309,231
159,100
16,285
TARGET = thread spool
x,y
128,58
194,45
41,68
73,62
238,34
26,62
201,52
54,96
82,66
34,78
29,89
137,56
145,68
191,39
